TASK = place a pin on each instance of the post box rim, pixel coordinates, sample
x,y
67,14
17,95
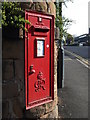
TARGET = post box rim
x,y
39,12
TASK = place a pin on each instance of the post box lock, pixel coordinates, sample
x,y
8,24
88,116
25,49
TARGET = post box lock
x,y
31,67
31,70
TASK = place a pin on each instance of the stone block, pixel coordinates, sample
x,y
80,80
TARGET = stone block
x,y
0,51
40,110
0,108
55,94
54,113
17,109
39,6
36,112
26,5
29,115
51,115
19,70
43,6
7,70
9,90
22,98
52,8
19,77
13,49
44,116
57,33
5,109
55,86
50,106
0,91
56,100
21,34
0,71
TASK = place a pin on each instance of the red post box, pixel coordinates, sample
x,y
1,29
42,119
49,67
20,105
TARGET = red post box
x,y
39,59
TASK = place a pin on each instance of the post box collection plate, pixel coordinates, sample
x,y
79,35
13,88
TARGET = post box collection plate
x,y
39,59
40,45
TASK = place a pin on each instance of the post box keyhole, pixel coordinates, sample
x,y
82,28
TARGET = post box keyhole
x,y
31,67
31,70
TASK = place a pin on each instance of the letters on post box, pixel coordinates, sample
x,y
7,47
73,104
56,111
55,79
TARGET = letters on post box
x,y
39,59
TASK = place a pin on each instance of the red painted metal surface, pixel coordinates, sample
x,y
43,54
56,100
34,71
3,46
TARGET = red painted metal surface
x,y
39,59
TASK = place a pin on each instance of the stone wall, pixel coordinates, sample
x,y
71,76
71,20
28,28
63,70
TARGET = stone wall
x,y
13,78
13,83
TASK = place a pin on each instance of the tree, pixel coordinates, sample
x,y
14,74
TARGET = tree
x,y
69,39
61,21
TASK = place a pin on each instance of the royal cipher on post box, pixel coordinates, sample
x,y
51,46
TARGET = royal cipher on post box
x,y
39,59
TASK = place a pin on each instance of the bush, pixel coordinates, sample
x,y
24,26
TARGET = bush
x,y
13,15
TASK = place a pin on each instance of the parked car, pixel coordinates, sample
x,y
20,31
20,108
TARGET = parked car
x,y
80,44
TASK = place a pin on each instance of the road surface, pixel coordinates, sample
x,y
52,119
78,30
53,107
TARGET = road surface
x,y
73,98
83,51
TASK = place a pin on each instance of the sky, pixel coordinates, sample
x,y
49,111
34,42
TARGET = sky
x,y
78,12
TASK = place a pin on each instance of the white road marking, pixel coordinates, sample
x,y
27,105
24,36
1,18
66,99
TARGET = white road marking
x,y
78,57
83,64
67,59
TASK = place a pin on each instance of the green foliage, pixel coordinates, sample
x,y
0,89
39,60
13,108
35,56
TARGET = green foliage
x,y
13,15
62,22
69,39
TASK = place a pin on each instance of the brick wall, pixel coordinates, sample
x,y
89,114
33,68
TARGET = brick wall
x,y
13,83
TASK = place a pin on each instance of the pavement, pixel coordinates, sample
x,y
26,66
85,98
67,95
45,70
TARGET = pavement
x,y
73,98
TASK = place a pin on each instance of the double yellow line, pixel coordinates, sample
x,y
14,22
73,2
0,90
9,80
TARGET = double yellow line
x,y
78,57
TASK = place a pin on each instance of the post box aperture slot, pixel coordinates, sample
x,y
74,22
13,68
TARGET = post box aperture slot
x,y
41,28
40,47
